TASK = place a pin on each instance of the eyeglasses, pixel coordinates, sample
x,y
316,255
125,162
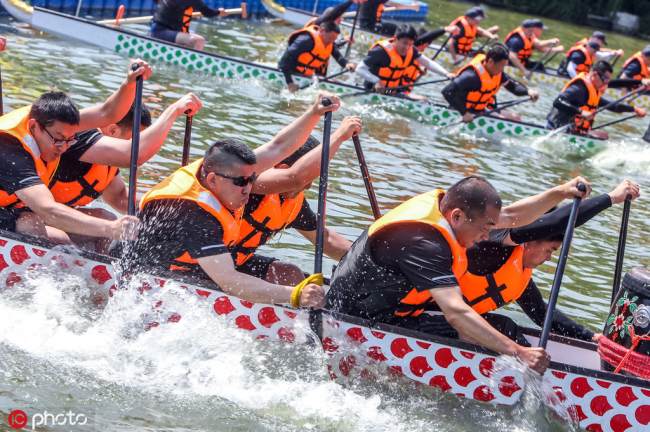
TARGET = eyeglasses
x,y
59,142
604,78
241,181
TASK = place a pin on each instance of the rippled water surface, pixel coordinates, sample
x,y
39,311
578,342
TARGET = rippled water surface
x,y
61,346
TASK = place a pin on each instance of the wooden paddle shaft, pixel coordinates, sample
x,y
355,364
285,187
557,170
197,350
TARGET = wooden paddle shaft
x,y
135,144
148,18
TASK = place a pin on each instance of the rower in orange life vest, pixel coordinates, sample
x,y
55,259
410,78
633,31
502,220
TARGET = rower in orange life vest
x,y
583,54
474,89
636,67
90,168
334,14
415,255
499,269
581,97
387,60
32,139
461,44
309,51
171,21
191,219
370,15
524,40
277,202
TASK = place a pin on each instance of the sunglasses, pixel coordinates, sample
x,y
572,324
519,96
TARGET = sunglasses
x,y
604,78
241,181
59,142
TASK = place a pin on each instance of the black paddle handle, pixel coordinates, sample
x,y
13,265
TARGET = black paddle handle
x,y
442,46
187,139
559,272
354,26
135,143
366,177
543,57
620,252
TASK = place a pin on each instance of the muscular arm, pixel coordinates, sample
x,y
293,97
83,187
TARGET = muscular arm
x,y
340,58
617,108
514,60
289,60
513,86
334,244
455,93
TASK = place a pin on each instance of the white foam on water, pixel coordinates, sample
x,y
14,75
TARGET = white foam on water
x,y
626,157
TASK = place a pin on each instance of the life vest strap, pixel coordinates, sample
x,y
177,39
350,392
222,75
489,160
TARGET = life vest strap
x,y
493,291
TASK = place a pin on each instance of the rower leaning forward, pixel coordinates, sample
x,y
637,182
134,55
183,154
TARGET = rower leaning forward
x,y
461,43
477,83
524,40
582,96
584,53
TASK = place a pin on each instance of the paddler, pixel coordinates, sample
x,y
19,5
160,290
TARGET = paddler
x,y
636,67
90,168
499,269
171,21
461,43
387,60
415,254
524,40
309,51
370,15
477,83
191,219
583,54
581,97
32,139
277,202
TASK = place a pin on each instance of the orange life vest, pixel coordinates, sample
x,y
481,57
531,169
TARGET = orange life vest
x,y
380,10
318,58
479,100
310,22
391,76
488,293
184,184
187,19
524,54
411,74
464,44
644,68
16,124
258,227
423,209
583,126
589,60
86,188
580,43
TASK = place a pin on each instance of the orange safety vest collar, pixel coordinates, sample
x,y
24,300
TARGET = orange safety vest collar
x,y
589,60
477,101
644,68
391,76
318,58
464,44
16,123
583,126
524,54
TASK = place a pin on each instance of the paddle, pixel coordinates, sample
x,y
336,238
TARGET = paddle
x,y
559,272
316,316
543,57
3,43
135,143
366,177
615,60
186,139
488,112
147,18
614,121
400,87
354,26
444,44
620,253
324,79
551,59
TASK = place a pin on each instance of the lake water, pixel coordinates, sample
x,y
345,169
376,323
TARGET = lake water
x,y
59,350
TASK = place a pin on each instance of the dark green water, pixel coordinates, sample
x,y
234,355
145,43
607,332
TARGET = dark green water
x,y
57,350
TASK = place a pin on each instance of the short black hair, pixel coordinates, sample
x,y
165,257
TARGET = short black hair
x,y
127,121
54,106
225,153
601,67
405,31
472,195
330,26
498,52
311,143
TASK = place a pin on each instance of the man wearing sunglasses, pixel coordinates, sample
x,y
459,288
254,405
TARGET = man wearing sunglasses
x,y
32,139
582,96
191,219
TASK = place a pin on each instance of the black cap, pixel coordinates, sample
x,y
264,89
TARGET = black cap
x,y
593,44
600,35
646,51
527,23
472,14
480,11
538,24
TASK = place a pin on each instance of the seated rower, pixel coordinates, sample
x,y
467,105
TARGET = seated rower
x,y
370,15
387,60
636,67
415,255
524,40
191,219
583,54
90,168
32,140
461,43
581,97
171,21
477,83
509,257
309,51
277,202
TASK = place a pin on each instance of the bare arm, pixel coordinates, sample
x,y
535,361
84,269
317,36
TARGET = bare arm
x,y
334,244
514,60
118,104
116,195
40,200
307,168
413,6
452,49
486,33
117,152
293,136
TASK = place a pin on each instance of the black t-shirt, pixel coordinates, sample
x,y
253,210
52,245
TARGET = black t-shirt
x,y
306,219
304,43
633,68
368,12
515,43
378,58
71,168
169,13
577,57
17,166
